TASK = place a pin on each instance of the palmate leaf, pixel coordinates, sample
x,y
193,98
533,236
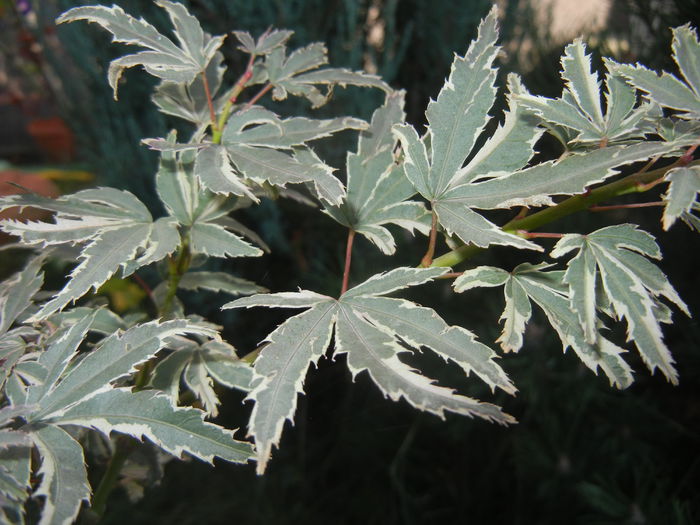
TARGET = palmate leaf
x,y
630,283
495,176
372,331
197,215
681,198
259,146
580,110
377,188
198,366
177,62
529,283
265,43
68,389
456,119
116,357
666,89
112,225
298,74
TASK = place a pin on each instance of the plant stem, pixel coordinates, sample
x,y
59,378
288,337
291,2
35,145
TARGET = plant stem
x,y
210,102
122,450
635,183
176,269
539,235
427,259
626,206
238,87
348,259
257,97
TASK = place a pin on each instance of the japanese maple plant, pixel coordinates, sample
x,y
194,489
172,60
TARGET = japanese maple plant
x,y
71,366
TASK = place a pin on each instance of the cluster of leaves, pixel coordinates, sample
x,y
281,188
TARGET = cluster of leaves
x,y
67,367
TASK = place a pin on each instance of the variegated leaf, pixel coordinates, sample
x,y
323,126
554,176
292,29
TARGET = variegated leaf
x,y
189,100
370,348
165,59
116,357
534,186
422,327
280,370
199,365
372,331
456,120
265,43
15,470
530,283
149,414
579,108
682,194
378,189
16,293
219,282
631,285
64,481
216,241
666,89
293,74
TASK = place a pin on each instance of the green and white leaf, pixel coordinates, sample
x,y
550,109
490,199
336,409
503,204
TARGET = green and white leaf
x,y
377,188
280,369
265,43
149,414
681,198
631,285
534,186
216,241
372,349
528,283
666,89
456,120
116,357
579,109
177,62
293,75
16,293
189,101
372,331
198,364
64,481
114,227
15,470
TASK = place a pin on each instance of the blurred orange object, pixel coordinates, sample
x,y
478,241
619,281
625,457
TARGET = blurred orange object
x,y
53,138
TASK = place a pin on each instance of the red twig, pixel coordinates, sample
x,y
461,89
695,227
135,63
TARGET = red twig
x,y
210,102
540,235
348,259
427,259
257,97
625,206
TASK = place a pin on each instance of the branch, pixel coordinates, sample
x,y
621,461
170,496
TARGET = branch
x,y
635,183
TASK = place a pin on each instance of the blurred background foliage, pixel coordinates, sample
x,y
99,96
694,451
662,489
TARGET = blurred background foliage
x,y
582,453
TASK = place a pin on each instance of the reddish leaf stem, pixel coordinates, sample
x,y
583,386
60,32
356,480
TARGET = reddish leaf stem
x,y
539,235
257,97
626,206
348,259
427,259
210,102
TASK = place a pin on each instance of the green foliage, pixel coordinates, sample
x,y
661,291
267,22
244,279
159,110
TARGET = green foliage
x,y
150,374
